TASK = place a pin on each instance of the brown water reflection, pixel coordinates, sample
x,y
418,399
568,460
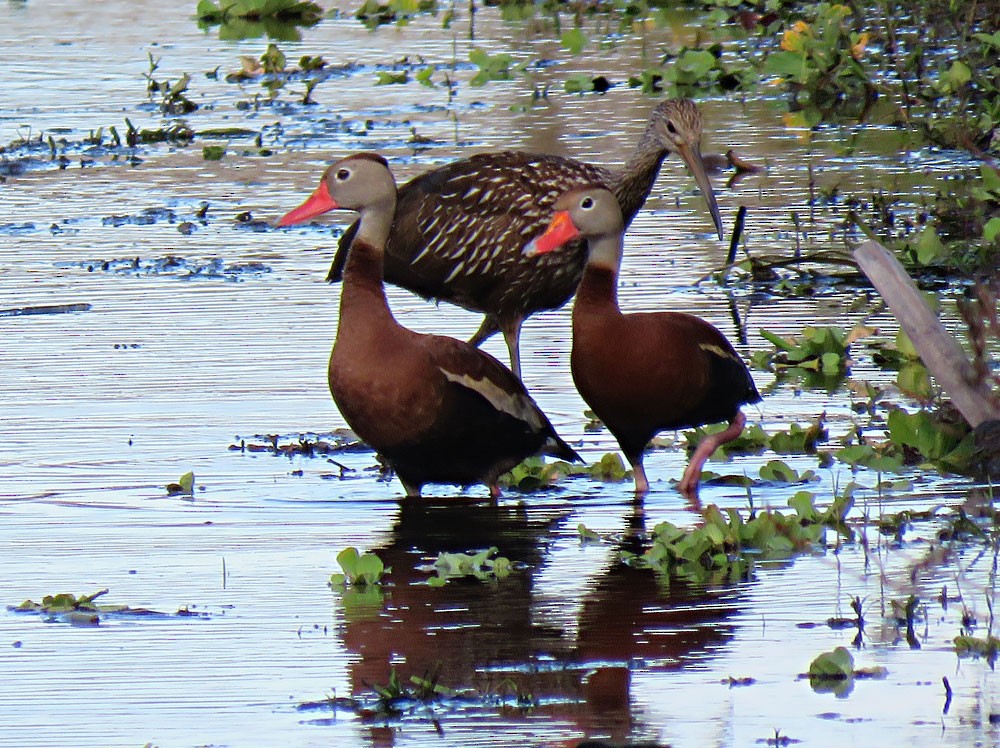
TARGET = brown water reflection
x,y
495,639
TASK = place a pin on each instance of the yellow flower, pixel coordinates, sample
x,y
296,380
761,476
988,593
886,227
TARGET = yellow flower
x,y
858,48
792,41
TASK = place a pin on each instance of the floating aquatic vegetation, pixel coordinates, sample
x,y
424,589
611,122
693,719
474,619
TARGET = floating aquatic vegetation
x,y
482,565
359,569
973,646
301,445
725,546
248,19
535,474
82,610
184,485
173,98
821,350
170,265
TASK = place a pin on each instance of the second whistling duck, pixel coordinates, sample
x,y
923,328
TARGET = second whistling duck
x,y
642,373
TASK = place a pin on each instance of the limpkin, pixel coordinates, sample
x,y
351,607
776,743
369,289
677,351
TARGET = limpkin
x,y
459,229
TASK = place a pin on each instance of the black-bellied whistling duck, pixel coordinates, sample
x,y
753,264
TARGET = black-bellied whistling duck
x,y
459,230
437,409
642,373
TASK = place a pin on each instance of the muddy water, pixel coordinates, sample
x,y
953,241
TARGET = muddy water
x,y
190,339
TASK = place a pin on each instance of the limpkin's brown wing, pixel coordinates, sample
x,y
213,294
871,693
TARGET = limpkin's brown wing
x,y
459,230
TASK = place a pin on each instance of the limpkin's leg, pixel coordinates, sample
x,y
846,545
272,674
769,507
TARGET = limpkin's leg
x,y
689,481
487,330
511,329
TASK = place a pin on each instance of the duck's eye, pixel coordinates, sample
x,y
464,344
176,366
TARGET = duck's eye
x,y
587,203
343,174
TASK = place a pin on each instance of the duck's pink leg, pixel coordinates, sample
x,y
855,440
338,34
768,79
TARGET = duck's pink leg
x,y
692,474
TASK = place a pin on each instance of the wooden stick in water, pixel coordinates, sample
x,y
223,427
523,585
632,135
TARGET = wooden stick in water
x,y
940,351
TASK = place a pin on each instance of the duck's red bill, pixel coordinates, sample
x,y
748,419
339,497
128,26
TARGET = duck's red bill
x,y
318,203
560,231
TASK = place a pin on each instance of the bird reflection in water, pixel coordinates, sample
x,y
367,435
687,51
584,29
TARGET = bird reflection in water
x,y
509,637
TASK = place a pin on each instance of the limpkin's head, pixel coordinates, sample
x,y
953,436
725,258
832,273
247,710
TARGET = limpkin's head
x,y
361,182
675,125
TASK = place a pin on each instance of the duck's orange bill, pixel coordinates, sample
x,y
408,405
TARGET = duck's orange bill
x,y
560,231
318,203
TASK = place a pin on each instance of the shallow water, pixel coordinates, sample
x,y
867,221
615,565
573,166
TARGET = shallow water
x,y
176,360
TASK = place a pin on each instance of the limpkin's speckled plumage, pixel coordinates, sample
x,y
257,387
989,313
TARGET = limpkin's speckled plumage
x,y
438,410
459,229
642,373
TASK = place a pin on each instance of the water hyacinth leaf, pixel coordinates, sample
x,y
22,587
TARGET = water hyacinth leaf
x,y
782,344
914,380
787,63
578,84
390,78
777,471
208,11
423,76
838,665
992,40
802,503
184,485
369,568
574,41
991,230
213,152
610,468
693,66
957,75
929,246
973,646
905,346
491,67
830,363
479,565
348,560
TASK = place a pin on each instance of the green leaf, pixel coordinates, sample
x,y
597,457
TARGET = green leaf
x,y
423,76
991,230
831,363
574,40
838,664
213,152
929,246
578,84
693,66
957,75
913,379
348,560
792,65
802,503
390,78
990,40
369,568
779,342
991,177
